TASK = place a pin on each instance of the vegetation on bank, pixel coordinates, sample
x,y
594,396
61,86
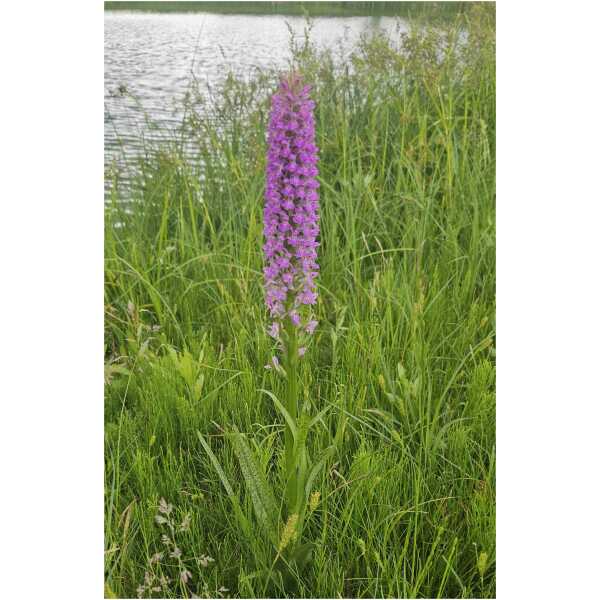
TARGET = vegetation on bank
x,y
404,356
332,9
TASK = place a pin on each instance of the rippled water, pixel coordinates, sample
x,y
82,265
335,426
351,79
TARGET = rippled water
x,y
150,57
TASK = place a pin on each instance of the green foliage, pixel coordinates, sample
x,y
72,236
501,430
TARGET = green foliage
x,y
297,8
401,372
263,500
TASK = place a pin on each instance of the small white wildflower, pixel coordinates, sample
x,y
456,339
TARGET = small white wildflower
x,y
185,575
185,524
176,553
204,560
156,558
160,519
164,507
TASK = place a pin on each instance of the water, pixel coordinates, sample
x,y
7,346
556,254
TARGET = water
x,y
151,56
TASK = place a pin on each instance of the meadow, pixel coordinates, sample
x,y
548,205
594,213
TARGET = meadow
x,y
403,358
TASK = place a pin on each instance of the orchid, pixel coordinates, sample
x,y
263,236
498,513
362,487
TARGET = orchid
x,y
291,228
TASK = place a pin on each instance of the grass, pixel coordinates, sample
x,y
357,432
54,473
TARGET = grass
x,y
327,9
403,357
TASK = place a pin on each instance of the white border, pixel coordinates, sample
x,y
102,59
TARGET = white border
x,y
548,213
52,300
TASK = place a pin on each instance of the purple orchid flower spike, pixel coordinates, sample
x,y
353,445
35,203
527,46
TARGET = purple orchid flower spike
x,y
291,213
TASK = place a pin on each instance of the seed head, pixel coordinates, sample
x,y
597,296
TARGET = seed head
x,y
289,532
314,501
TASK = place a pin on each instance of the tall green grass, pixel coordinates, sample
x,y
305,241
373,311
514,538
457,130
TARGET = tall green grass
x,y
403,357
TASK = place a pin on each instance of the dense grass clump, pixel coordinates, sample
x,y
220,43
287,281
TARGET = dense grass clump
x,y
403,356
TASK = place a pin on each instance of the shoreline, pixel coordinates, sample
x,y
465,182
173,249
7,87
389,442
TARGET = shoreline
x,y
313,9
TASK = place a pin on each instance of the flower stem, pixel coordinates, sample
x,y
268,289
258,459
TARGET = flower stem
x,y
292,408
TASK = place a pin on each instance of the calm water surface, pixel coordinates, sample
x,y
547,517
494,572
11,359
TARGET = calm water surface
x,y
151,56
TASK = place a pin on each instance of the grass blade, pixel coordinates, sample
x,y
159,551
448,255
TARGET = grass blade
x,y
243,521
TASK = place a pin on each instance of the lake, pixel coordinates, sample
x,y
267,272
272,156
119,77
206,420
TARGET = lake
x,y
149,59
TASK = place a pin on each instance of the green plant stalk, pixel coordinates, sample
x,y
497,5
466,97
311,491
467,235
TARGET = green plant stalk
x,y
291,405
